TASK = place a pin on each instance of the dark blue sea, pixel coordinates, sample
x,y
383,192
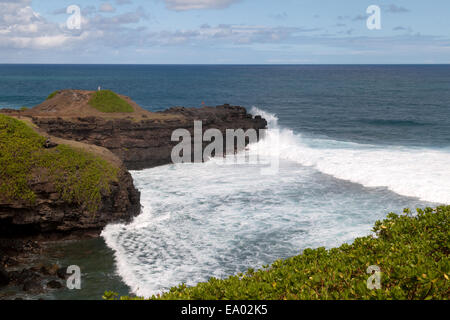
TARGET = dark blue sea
x,y
352,142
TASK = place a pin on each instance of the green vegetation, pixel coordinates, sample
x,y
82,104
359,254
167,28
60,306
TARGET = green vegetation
x,y
80,177
51,95
23,108
411,251
108,101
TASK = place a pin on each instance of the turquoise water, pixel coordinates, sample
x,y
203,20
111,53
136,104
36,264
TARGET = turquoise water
x,y
355,142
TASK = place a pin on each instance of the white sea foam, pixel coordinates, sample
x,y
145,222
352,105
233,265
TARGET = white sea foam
x,y
414,172
214,220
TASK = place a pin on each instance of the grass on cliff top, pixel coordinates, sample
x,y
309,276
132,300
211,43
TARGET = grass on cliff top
x,y
108,101
51,95
412,252
78,176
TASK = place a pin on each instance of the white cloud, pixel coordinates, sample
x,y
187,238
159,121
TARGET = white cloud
x,y
24,31
22,27
183,5
122,2
396,9
43,42
227,34
106,7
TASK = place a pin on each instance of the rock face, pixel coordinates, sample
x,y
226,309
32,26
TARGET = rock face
x,y
136,140
51,215
147,143
4,277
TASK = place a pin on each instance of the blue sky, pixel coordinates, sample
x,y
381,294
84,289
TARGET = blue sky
x,y
224,31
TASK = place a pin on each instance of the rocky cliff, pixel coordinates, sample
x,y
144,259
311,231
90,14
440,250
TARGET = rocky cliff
x,y
142,139
50,185
39,155
50,215
134,140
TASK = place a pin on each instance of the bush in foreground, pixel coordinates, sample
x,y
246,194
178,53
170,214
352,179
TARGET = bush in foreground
x,y
80,177
108,101
411,251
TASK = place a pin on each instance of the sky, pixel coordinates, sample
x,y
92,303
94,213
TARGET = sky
x,y
224,32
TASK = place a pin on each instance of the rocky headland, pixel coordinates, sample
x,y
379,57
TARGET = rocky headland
x,y
112,135
141,139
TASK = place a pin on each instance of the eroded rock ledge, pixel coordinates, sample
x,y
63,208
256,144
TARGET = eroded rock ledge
x,y
50,216
147,143
130,141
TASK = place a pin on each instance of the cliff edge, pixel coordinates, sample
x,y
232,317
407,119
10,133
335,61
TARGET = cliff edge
x,y
73,174
50,185
64,169
141,139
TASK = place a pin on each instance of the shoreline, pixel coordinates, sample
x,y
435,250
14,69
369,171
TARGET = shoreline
x,y
98,271
147,137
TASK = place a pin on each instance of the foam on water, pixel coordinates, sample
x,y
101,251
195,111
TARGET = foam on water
x,y
414,172
222,217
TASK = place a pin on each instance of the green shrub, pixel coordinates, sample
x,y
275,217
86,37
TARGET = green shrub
x,y
80,177
411,251
108,101
18,146
23,108
51,95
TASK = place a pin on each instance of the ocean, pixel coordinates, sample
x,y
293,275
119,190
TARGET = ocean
x,y
353,142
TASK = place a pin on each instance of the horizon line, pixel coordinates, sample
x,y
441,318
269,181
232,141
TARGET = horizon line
x,y
234,64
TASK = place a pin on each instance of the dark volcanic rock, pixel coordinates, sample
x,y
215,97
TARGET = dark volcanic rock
x,y
54,284
147,143
4,277
33,285
21,277
10,248
141,141
49,270
49,214
62,273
